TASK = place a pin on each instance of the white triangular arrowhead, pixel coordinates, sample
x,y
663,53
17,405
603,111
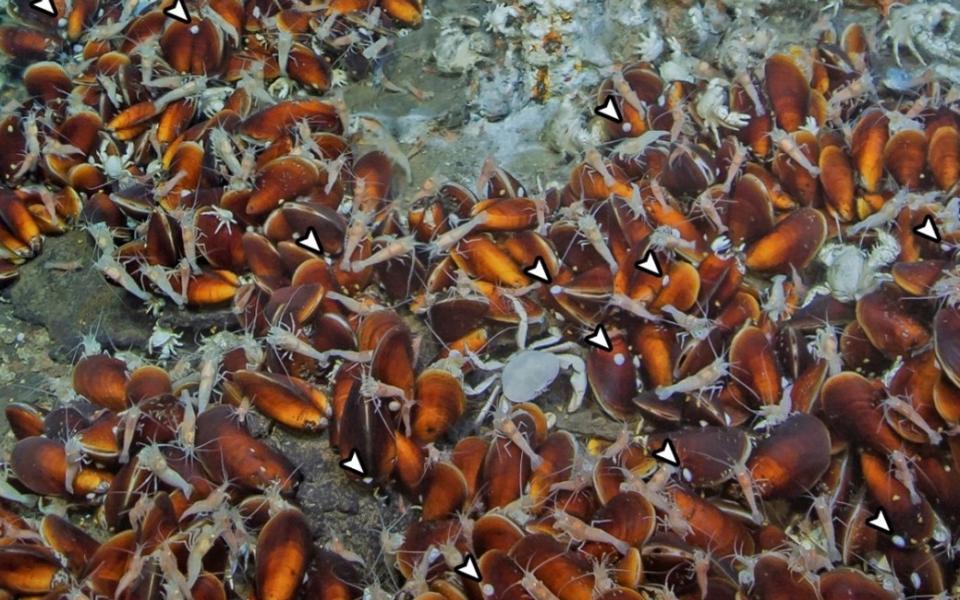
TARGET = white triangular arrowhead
x,y
609,110
311,241
880,521
44,6
600,339
649,264
667,454
469,569
928,229
354,464
178,12
538,271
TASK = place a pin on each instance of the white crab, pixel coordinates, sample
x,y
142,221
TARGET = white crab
x,y
712,108
114,166
164,341
925,28
853,272
526,373
651,45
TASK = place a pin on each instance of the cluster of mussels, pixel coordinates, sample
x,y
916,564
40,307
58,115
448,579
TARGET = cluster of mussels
x,y
809,429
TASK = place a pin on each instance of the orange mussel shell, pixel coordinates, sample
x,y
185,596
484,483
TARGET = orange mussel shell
x,y
915,522
753,363
284,550
308,68
798,182
209,287
479,256
69,541
102,379
288,400
282,179
469,455
793,242
883,316
788,90
494,531
271,123
195,47
445,492
946,341
943,156
792,459
28,569
750,212
439,403
711,528
905,156
851,405
405,12
870,137
612,378
774,579
837,179
258,468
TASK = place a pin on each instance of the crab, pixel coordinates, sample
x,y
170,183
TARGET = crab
x,y
651,45
114,166
712,108
852,271
925,29
164,341
528,372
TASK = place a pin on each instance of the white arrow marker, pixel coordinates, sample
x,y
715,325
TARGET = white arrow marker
x,y
600,339
649,264
354,464
880,522
928,229
44,6
311,241
538,271
469,569
667,454
609,110
178,12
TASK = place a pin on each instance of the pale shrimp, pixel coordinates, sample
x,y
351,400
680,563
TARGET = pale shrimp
x,y
593,158
906,410
443,242
505,426
746,82
740,155
75,458
824,510
589,228
160,277
634,307
582,532
700,380
395,249
151,459
31,157
901,470
356,231
788,145
129,423
284,339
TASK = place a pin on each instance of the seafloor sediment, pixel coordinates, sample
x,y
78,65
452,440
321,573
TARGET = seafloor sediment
x,y
183,379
